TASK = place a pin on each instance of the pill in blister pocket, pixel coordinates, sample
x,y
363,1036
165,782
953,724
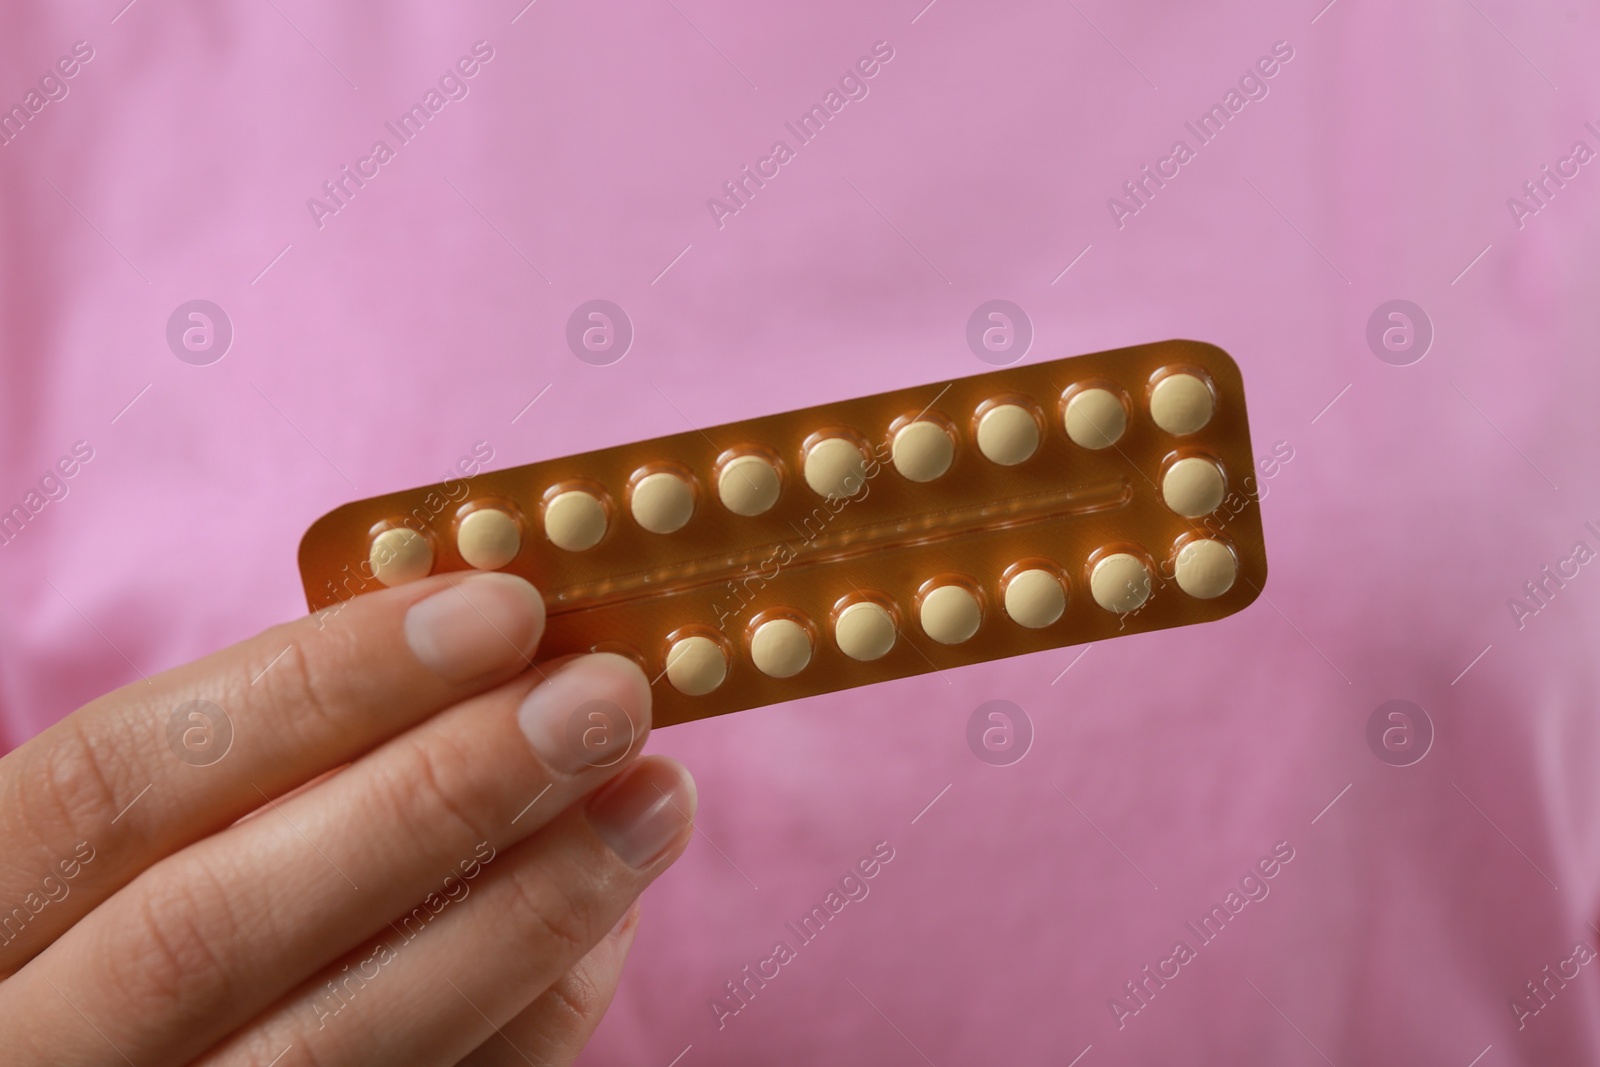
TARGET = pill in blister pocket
x,y
662,502
1205,569
780,648
400,555
1095,418
1034,598
865,631
748,485
922,450
1181,403
1008,434
488,539
575,520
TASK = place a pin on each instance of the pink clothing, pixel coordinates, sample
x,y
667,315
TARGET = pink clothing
x,y
409,320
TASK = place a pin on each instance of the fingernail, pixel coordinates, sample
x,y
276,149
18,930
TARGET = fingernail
x,y
643,812
481,623
590,713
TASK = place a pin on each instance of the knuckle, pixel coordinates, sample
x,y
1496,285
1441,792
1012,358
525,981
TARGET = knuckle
x,y
551,913
297,680
430,782
267,1044
169,954
72,786
580,997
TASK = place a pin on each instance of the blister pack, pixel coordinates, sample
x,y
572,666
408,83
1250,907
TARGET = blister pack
x,y
921,529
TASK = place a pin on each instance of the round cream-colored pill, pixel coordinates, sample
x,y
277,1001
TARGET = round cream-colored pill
x,y
1120,583
835,467
662,502
748,485
1095,418
696,665
1007,434
950,614
922,450
1181,403
1193,487
1206,569
1035,599
575,520
400,555
781,648
488,539
864,630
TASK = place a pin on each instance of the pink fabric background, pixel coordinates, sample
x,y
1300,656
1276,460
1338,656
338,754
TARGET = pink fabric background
x,y
381,347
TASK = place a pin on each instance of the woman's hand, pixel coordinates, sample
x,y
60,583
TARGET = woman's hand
x,y
445,898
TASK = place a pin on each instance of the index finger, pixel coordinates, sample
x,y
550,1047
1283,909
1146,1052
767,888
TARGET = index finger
x,y
145,770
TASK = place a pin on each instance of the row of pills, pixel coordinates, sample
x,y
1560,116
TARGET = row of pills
x,y
662,497
949,613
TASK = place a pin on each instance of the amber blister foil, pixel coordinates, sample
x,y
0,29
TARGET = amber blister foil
x,y
915,527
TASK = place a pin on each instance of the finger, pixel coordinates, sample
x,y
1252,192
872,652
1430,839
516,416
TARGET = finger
x,y
555,1027
143,771
428,996
209,937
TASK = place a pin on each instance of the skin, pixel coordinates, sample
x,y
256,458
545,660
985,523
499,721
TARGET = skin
x,y
404,851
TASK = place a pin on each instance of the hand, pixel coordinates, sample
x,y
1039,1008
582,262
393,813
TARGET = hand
x,y
382,839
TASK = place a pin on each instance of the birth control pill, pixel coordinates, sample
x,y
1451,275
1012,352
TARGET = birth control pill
x,y
400,555
1120,582
575,520
662,502
1007,434
922,450
1193,487
1206,569
1034,598
696,665
1095,418
780,648
748,485
950,614
835,466
864,630
1181,403
488,539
